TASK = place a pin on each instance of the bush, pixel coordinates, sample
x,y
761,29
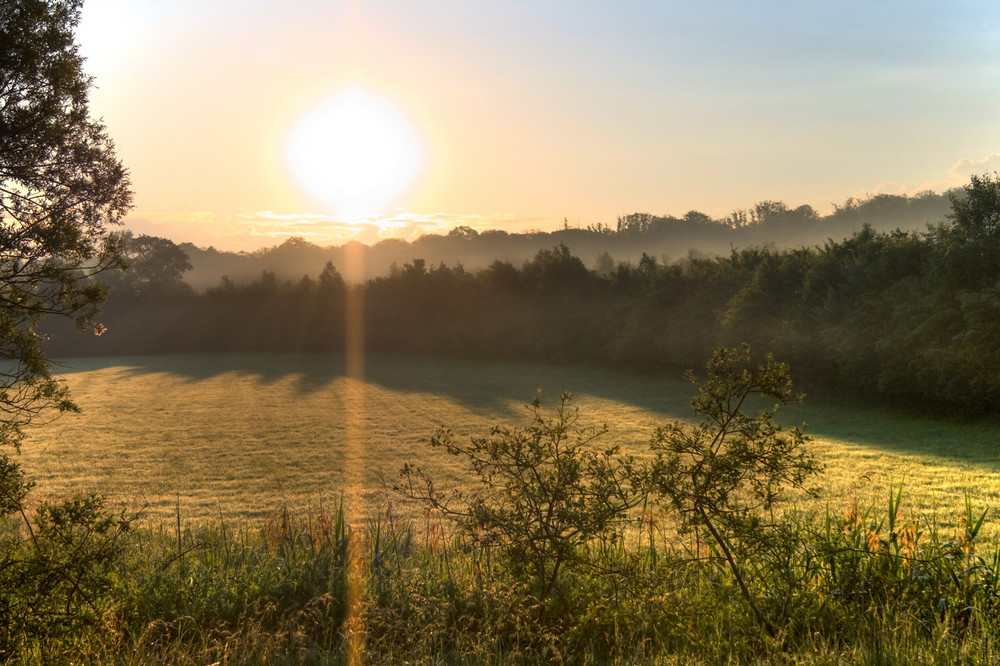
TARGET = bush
x,y
726,474
57,568
543,493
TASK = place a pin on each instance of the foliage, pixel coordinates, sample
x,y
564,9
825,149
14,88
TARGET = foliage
x,y
244,595
885,564
898,316
61,187
542,495
56,568
976,212
728,473
883,589
154,264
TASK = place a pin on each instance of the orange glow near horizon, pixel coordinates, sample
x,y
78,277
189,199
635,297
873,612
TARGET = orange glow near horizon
x,y
367,120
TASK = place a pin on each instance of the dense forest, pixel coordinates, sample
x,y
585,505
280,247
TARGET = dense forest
x,y
905,316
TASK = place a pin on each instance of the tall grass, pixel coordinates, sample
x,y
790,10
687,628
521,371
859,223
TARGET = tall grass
x,y
867,588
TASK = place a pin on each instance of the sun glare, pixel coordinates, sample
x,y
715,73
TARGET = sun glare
x,y
354,152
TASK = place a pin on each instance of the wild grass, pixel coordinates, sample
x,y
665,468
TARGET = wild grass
x,y
281,594
252,552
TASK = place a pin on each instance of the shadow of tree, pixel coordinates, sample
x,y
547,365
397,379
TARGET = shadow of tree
x,y
498,388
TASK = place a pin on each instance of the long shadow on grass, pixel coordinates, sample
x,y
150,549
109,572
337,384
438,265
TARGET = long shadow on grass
x,y
501,387
477,385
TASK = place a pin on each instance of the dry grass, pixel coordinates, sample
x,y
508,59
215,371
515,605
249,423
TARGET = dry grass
x,y
234,436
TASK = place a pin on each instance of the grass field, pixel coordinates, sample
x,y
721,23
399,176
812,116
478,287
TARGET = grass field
x,y
236,436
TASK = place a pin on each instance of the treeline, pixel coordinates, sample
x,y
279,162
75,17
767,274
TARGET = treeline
x,y
909,318
767,223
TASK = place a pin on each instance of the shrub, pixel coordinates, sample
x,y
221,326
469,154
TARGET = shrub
x,y
542,494
725,475
57,567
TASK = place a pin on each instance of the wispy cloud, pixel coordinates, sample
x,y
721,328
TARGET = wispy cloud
x,y
957,176
251,231
961,172
337,229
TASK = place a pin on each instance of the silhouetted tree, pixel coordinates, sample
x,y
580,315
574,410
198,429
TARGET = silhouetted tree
x,y
556,269
330,281
977,214
898,314
154,264
61,189
463,232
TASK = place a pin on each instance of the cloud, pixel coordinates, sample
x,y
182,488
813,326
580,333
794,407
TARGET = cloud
x,y
964,169
339,229
957,176
198,227
252,231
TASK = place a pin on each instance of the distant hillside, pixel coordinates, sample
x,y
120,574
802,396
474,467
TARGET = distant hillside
x,y
768,224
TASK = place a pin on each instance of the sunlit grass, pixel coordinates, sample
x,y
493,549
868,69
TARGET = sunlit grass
x,y
235,436
255,451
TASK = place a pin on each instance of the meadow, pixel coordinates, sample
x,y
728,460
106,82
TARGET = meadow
x,y
267,534
236,436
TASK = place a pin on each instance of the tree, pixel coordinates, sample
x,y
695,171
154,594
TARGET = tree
x,y
604,265
331,283
768,212
726,475
154,263
556,270
976,213
62,188
463,232
970,240
156,260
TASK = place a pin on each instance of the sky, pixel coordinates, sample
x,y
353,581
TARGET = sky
x,y
245,122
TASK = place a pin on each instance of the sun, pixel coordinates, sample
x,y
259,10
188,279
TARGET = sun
x,y
353,151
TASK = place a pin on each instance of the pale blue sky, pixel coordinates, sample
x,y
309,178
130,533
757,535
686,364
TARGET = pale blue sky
x,y
529,112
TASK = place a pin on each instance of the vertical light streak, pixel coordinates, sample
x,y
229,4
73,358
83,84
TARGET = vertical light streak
x,y
354,456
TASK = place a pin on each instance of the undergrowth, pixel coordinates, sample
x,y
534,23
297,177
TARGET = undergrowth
x,y
871,588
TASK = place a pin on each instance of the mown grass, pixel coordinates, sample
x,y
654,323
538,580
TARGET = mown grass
x,y
233,436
